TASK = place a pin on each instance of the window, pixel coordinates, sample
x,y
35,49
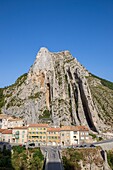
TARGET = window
x,y
63,134
75,132
82,137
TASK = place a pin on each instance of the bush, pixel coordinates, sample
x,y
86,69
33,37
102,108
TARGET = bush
x,y
18,149
46,114
105,82
110,158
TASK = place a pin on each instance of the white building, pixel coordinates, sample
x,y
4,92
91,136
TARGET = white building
x,y
8,122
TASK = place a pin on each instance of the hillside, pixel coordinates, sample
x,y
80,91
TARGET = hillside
x,y
59,90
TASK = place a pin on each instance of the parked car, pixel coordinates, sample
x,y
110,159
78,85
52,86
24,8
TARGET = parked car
x,y
92,145
31,145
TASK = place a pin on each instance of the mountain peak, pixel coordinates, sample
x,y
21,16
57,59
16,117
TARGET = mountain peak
x,y
59,90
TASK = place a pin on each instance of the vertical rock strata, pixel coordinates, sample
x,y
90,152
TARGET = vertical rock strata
x,y
55,90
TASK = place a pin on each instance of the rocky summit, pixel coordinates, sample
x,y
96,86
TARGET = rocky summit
x,y
60,91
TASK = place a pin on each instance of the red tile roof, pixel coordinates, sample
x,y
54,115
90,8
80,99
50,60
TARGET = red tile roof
x,y
74,128
22,127
38,125
1,130
53,129
7,131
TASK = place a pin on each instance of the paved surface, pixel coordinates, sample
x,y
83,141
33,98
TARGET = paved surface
x,y
53,161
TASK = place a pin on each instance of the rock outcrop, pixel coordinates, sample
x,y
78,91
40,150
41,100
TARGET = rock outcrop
x,y
85,158
59,90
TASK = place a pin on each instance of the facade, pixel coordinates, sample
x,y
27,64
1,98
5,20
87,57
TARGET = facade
x,y
1,130
7,135
83,134
8,122
65,136
37,133
53,136
43,134
19,135
74,135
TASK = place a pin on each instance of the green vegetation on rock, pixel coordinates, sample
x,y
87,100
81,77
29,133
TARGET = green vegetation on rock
x,y
36,95
2,103
110,158
27,159
45,115
105,82
75,159
18,82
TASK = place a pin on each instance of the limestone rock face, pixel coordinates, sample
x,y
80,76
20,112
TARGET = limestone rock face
x,y
57,89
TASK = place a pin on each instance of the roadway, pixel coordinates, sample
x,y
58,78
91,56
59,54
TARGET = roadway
x,y
53,161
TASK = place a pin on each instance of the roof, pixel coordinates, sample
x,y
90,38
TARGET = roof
x,y
74,128
15,119
22,127
82,128
38,125
53,129
10,118
7,131
1,130
3,116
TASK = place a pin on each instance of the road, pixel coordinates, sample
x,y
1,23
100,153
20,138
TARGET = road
x,y
53,161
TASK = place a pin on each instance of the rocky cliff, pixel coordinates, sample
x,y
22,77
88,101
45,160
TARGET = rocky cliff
x,y
85,158
59,90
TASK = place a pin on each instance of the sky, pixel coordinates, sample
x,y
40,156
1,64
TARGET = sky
x,y
84,27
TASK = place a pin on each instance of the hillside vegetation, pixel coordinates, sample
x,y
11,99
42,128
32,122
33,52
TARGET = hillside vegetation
x,y
82,159
21,159
102,94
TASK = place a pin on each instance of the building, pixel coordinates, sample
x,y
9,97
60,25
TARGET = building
x,y
7,135
1,130
43,134
37,133
19,135
65,135
8,122
74,135
53,136
83,134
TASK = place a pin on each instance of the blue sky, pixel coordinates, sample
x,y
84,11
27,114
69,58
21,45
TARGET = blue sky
x,y
84,27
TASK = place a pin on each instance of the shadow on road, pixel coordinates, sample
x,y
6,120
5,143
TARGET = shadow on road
x,y
53,166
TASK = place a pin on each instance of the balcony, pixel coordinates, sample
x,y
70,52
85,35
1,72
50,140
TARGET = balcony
x,y
17,133
16,136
